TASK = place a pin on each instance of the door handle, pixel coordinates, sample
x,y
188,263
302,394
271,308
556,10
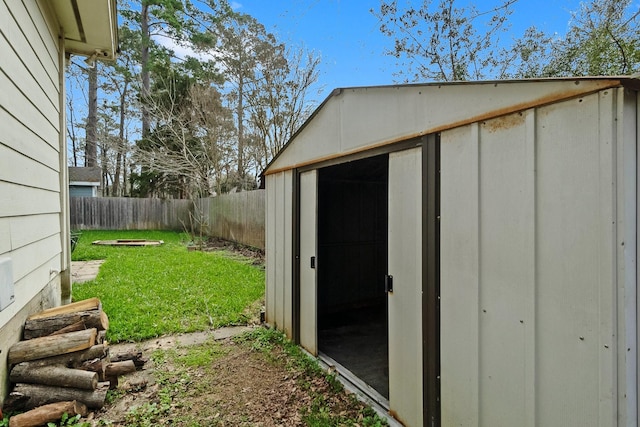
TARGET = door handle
x,y
388,284
313,262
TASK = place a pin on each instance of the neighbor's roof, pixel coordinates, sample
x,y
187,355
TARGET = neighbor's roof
x,y
353,120
92,174
90,26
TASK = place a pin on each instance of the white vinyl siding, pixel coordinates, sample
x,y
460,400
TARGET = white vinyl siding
x,y
30,210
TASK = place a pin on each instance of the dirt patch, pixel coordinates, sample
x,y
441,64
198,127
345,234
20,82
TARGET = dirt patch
x,y
217,244
201,381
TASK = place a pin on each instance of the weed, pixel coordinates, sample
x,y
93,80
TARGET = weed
x,y
67,420
200,356
146,415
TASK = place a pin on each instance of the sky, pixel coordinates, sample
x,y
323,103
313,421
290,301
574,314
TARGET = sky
x,y
346,35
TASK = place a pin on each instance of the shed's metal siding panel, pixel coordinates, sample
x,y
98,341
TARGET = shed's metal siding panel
x,y
308,249
271,246
405,302
529,267
279,247
357,118
459,276
627,348
506,250
574,264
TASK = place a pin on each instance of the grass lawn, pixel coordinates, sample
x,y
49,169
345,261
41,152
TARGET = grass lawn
x,y
152,291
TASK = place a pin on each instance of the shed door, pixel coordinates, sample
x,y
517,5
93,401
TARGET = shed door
x,y
405,301
308,288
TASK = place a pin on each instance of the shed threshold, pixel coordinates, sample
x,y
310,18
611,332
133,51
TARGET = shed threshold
x,y
362,390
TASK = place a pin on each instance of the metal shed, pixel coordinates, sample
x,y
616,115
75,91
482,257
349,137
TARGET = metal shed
x,y
465,253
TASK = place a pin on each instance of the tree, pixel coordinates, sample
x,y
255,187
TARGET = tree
x,y
442,42
91,142
278,104
603,39
188,145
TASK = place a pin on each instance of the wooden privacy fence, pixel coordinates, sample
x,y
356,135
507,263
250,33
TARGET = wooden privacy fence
x,y
238,217
123,213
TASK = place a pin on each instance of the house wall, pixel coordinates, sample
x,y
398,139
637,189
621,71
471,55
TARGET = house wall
x,y
31,217
536,208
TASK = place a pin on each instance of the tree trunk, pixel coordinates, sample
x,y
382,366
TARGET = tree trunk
x,y
91,147
240,114
43,394
54,375
48,413
144,64
39,348
41,327
121,142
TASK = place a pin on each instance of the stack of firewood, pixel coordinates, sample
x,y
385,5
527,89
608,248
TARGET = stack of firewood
x,y
63,364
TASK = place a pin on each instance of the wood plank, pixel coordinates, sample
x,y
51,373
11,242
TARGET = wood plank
x,y
74,307
39,348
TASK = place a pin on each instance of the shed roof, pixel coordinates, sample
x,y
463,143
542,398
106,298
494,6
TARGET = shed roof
x,y
90,26
88,174
357,119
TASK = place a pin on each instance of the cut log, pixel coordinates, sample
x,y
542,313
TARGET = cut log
x,y
39,348
53,375
48,413
43,326
137,358
84,305
102,337
95,365
119,368
75,359
43,394
78,326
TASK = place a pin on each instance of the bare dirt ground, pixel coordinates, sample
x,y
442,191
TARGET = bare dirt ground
x,y
210,379
213,379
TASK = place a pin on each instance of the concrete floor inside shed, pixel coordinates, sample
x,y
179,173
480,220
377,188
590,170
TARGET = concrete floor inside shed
x,y
358,341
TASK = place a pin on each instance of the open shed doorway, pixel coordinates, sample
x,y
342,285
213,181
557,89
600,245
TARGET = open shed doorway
x,y
352,264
